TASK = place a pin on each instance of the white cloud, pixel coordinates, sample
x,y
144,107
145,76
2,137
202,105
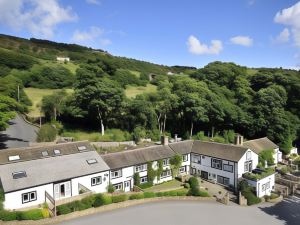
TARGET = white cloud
x,y
92,36
40,18
242,40
196,47
94,2
290,17
283,37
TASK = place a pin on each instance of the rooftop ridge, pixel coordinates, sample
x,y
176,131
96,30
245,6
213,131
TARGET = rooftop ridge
x,y
256,139
232,145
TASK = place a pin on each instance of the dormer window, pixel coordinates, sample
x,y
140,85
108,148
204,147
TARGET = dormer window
x,y
19,174
14,158
82,148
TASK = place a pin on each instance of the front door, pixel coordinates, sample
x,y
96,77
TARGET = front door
x,y
204,175
62,190
127,185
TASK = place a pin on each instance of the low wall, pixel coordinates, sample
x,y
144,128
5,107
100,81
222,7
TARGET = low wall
x,y
105,208
103,144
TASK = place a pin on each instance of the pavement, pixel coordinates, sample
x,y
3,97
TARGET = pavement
x,y
18,134
185,213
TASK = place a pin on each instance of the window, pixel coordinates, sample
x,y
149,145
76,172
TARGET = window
x,y
96,180
228,168
118,187
29,197
185,158
248,155
14,158
81,148
144,180
166,162
165,173
141,168
196,159
248,166
116,174
182,169
223,180
265,186
56,152
45,153
216,163
20,174
91,161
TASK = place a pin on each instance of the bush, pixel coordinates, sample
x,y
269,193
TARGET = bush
x,y
137,179
110,188
193,181
136,196
89,201
63,209
102,199
186,185
119,198
197,192
47,133
149,195
8,216
33,214
251,197
159,194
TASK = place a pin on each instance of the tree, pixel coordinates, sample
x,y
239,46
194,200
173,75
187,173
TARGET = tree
x,y
8,106
175,162
53,105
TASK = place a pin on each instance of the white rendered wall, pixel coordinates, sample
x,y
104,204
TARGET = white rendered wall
x,y
259,184
13,200
127,174
241,163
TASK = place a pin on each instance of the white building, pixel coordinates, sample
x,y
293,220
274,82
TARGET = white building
x,y
261,144
63,59
25,182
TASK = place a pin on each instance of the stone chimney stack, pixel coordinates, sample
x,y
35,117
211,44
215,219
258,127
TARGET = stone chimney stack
x,y
164,140
238,139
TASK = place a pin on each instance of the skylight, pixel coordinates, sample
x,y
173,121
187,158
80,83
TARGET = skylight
x,y
81,148
56,152
45,153
91,161
14,158
20,174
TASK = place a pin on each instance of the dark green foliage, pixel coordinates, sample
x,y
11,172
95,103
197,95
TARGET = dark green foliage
x,y
149,195
102,199
119,198
187,185
248,192
63,209
151,173
7,215
47,133
145,185
33,214
194,188
175,162
136,196
137,179
110,188
125,77
138,134
15,60
266,155
193,181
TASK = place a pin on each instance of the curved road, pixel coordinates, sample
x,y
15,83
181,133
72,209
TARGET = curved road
x,y
192,212
18,134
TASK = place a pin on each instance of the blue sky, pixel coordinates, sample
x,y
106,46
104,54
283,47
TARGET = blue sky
x,y
253,33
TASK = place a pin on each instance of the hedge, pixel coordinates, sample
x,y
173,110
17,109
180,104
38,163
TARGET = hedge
x,y
251,197
136,196
119,198
102,199
149,195
33,214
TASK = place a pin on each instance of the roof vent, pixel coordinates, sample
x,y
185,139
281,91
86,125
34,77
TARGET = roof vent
x,y
56,152
81,148
14,158
45,153
91,161
20,174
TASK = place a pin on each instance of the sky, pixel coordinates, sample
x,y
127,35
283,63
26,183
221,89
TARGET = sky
x,y
253,33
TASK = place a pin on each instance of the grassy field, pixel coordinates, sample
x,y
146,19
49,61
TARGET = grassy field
x,y
170,185
132,91
69,65
36,95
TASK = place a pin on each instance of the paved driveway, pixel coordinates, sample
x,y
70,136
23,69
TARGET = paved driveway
x,y
18,134
181,213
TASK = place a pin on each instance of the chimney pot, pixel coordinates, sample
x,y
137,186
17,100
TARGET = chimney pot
x,y
239,140
164,140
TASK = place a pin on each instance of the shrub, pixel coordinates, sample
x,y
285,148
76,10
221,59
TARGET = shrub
x,y
63,209
33,214
8,216
45,213
274,195
136,196
197,192
47,133
251,197
182,193
186,185
110,188
193,181
149,195
119,198
137,179
102,199
160,194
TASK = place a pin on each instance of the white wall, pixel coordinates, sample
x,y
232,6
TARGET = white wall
x,y
86,181
241,163
14,200
258,185
127,174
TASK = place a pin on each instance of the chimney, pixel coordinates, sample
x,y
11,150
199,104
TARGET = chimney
x,y
164,140
176,138
238,139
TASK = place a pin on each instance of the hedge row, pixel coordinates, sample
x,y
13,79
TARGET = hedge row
x,y
104,199
33,214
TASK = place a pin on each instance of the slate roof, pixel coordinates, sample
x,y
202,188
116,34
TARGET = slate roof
x,y
218,150
182,147
137,156
260,144
31,153
48,170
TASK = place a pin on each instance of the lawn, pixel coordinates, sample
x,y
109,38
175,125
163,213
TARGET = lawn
x,y
132,91
167,186
36,95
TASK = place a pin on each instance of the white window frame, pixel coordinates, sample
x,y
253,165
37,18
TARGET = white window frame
x,y
96,181
182,169
216,163
248,155
140,168
143,179
166,162
166,173
196,159
228,168
185,158
118,187
30,198
116,174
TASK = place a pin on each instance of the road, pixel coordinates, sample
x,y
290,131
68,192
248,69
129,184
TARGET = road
x,y
18,134
190,213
